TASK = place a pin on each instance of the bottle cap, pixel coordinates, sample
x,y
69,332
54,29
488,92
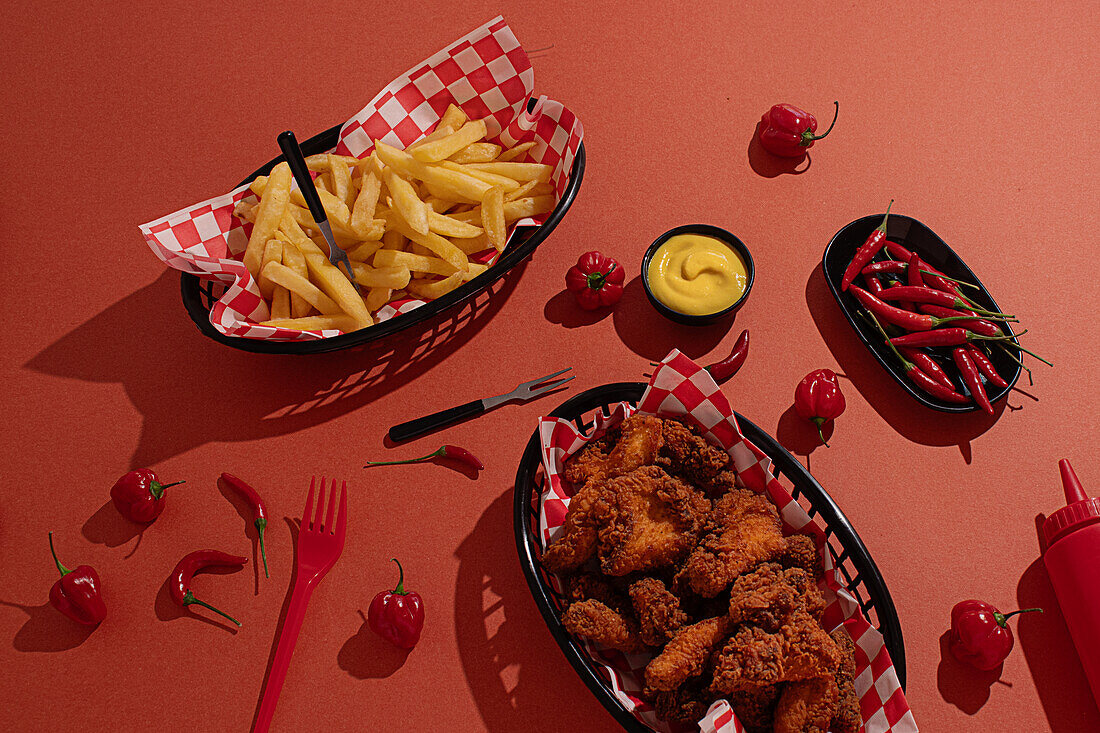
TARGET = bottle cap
x,y
1079,510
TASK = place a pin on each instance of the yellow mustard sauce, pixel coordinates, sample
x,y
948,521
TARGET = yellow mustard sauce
x,y
696,274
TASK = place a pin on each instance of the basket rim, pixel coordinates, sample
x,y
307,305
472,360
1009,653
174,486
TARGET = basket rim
x,y
831,516
512,256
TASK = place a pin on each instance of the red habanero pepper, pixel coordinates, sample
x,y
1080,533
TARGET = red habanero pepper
x,y
866,252
818,399
77,593
595,281
928,365
259,511
899,317
723,370
937,297
919,378
789,131
979,634
985,366
448,451
139,496
180,580
977,325
972,378
398,615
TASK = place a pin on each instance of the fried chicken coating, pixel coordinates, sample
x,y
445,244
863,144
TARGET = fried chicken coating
x,y
594,620
801,552
686,656
754,707
657,610
688,454
648,520
806,706
848,718
752,657
742,529
686,705
633,445
593,586
769,594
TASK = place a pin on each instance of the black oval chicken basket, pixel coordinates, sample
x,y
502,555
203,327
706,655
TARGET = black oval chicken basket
x,y
200,294
857,568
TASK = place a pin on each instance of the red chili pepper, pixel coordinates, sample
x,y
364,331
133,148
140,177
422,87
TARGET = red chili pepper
x,y
977,325
893,267
979,634
874,285
932,277
259,511
985,366
912,271
818,399
942,337
937,297
789,131
77,593
398,615
595,281
919,378
448,451
723,370
906,319
139,496
181,576
928,365
972,378
866,252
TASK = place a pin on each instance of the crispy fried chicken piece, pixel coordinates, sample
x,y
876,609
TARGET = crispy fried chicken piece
x,y
594,620
657,610
634,445
768,595
720,485
801,552
593,586
847,718
754,707
742,530
648,520
806,706
688,454
686,655
686,705
800,650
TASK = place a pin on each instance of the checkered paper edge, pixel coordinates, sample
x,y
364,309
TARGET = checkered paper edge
x,y
486,73
680,388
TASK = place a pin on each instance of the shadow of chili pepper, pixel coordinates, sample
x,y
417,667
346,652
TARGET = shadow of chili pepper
x,y
108,527
47,630
244,509
767,165
368,656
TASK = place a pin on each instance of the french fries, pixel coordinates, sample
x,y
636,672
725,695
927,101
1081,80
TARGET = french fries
x,y
408,219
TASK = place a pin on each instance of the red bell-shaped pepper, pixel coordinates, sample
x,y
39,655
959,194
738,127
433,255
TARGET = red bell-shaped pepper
x,y
398,615
788,131
980,635
77,593
139,496
818,399
595,281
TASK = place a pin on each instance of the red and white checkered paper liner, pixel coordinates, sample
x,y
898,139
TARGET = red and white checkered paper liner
x,y
486,73
681,388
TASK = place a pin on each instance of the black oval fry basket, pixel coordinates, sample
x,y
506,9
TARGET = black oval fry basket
x,y
200,294
860,574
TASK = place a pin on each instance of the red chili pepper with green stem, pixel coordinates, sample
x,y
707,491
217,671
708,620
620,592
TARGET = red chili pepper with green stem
x,y
595,281
448,451
180,580
977,325
972,378
919,378
788,131
985,366
928,365
723,370
937,297
979,634
77,593
898,316
139,496
818,399
259,511
866,252
954,337
893,267
398,615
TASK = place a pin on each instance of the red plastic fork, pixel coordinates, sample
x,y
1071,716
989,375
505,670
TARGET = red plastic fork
x,y
319,546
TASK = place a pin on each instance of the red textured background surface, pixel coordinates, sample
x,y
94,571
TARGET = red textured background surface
x,y
977,119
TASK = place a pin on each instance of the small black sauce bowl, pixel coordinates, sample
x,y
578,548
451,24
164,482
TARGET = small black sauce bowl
x,y
708,231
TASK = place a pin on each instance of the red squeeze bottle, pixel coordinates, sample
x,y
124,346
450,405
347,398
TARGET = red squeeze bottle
x,y
1073,563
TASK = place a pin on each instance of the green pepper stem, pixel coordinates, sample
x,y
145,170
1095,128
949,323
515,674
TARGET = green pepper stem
x,y
400,589
421,459
190,599
949,279
261,525
819,421
1000,618
1017,346
908,365
64,570
808,137
157,488
882,227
